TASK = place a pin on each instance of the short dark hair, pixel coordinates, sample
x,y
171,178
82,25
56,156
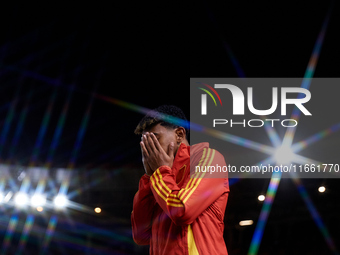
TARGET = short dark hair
x,y
156,116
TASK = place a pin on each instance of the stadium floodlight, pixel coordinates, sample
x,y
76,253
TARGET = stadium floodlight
x,y
38,200
40,208
246,223
284,155
60,201
261,198
21,199
322,189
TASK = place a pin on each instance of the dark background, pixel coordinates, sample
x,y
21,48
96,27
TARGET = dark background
x,y
144,54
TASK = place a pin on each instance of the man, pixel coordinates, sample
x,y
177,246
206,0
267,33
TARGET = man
x,y
174,212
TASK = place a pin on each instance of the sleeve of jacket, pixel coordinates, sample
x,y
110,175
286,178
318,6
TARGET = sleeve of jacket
x,y
184,205
141,216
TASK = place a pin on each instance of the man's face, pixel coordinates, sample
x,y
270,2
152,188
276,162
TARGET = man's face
x,y
164,136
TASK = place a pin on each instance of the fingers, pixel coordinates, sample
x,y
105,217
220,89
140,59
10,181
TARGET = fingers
x,y
149,142
145,152
156,142
146,143
145,156
172,150
153,153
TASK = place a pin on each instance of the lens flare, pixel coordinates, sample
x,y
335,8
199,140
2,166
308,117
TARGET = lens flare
x,y
21,199
60,201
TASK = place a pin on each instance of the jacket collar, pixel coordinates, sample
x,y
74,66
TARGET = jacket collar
x,y
183,155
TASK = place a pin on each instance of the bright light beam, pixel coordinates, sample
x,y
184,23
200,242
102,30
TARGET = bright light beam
x,y
93,183
25,233
270,195
296,147
193,126
49,233
19,128
284,155
21,199
314,213
273,136
43,128
58,130
60,201
9,233
288,138
8,120
81,133
38,200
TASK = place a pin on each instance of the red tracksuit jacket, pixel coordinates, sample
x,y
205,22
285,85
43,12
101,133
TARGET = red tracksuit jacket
x,y
178,214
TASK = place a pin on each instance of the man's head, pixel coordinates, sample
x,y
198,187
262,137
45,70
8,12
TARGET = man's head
x,y
164,131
